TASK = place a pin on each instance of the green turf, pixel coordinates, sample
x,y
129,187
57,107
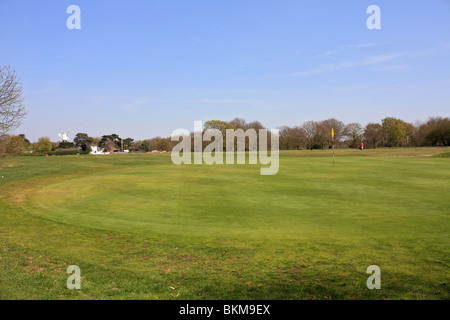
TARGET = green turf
x,y
140,227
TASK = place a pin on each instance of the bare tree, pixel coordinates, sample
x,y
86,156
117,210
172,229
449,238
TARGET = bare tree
x,y
373,135
109,146
292,138
337,126
255,125
310,129
12,110
353,131
238,123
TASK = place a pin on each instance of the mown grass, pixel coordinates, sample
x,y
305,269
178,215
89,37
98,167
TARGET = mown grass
x,y
140,227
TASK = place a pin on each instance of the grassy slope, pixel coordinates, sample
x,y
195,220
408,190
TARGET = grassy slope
x,y
138,225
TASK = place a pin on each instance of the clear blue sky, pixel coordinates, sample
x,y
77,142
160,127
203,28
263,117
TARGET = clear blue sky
x,y
145,68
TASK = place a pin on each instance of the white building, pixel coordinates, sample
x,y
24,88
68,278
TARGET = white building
x,y
96,150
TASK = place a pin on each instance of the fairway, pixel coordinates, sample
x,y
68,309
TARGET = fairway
x,y
140,227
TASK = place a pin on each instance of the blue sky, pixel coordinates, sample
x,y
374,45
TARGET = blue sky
x,y
145,68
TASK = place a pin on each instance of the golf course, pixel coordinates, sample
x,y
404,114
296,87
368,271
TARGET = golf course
x,y
140,227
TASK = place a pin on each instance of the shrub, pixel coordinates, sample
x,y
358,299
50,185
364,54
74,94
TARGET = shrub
x,y
66,145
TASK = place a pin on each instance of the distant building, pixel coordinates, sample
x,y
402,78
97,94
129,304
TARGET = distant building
x,y
96,150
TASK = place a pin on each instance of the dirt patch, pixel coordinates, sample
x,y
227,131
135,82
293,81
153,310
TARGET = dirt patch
x,y
37,269
403,155
294,269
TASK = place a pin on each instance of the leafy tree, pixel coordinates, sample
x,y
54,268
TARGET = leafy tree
x,y
435,132
82,139
164,144
11,145
128,143
143,146
112,137
25,140
395,130
96,141
28,145
3,139
410,132
43,145
222,126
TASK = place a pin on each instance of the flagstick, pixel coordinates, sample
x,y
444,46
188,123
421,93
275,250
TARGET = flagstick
x,y
333,154
332,142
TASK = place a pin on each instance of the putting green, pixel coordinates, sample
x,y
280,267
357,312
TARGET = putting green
x,y
309,197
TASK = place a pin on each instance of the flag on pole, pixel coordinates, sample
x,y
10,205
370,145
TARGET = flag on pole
x,y
332,142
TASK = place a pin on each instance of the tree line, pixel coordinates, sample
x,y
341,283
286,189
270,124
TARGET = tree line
x,y
390,132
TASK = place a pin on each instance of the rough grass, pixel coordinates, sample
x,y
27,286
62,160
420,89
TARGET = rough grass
x,y
140,227
442,155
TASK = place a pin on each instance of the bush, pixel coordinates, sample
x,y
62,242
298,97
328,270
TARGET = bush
x,y
66,145
86,149
43,145
70,152
13,145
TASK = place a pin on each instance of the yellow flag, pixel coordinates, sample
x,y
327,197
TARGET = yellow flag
x,y
332,133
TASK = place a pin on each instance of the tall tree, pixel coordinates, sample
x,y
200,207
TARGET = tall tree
x,y
128,143
255,125
310,129
292,138
337,126
410,132
285,137
395,130
238,123
353,131
434,132
373,135
82,139
222,126
143,146
164,144
12,110
27,142
112,137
